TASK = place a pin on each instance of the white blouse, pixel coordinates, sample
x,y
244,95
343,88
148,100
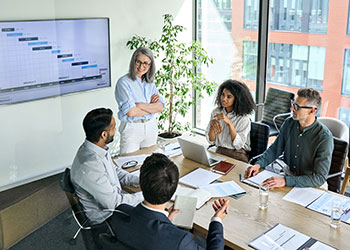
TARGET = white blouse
x,y
242,125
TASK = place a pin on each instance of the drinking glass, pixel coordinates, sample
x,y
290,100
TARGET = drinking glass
x,y
263,196
336,213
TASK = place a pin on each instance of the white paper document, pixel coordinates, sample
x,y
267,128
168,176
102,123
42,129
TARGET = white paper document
x,y
323,205
170,149
223,189
303,196
320,246
282,237
202,195
199,177
259,178
139,158
187,207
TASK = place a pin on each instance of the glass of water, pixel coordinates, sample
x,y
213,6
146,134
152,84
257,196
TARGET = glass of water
x,y
336,213
263,196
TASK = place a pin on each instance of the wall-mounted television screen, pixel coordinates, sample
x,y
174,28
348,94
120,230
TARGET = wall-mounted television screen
x,y
45,58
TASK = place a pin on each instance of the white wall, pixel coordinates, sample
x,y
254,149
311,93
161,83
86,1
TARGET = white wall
x,y
40,138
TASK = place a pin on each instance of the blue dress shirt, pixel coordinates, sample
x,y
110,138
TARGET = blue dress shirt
x,y
97,182
129,92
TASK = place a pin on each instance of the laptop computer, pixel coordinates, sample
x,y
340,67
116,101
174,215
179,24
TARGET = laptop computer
x,y
198,153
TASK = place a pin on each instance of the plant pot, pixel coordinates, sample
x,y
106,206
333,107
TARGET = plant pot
x,y
166,135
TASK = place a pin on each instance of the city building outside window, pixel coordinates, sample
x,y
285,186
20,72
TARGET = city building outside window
x,y
308,46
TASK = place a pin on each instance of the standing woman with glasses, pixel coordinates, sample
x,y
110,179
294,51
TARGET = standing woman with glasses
x,y
138,100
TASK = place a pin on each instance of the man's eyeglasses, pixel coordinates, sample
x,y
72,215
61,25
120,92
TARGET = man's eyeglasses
x,y
296,106
129,164
144,64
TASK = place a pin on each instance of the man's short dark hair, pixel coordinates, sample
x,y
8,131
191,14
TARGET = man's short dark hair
x,y
313,97
95,122
159,177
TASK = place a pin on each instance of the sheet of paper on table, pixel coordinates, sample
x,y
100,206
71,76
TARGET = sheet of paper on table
x,y
303,196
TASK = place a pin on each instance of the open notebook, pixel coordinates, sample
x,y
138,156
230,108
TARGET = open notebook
x,y
202,195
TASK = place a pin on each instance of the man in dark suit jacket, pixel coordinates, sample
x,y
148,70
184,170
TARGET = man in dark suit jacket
x,y
148,226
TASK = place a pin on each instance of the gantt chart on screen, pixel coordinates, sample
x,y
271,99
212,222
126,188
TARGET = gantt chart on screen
x,y
40,59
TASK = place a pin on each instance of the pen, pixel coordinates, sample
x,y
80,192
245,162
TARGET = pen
x,y
240,177
225,211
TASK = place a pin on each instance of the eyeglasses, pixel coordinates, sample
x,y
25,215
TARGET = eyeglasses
x,y
296,106
129,164
144,64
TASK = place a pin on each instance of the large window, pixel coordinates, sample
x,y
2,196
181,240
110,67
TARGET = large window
x,y
289,64
308,46
308,16
215,32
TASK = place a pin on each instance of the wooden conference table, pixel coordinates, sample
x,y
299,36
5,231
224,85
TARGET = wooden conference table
x,y
245,221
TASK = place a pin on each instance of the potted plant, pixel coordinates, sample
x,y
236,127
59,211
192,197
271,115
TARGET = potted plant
x,y
177,77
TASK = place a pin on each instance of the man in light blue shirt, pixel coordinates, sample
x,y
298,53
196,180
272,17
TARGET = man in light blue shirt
x,y
138,100
95,177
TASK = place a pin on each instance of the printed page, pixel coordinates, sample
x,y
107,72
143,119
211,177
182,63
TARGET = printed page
x,y
187,207
224,189
199,177
280,237
303,196
183,191
323,205
320,246
259,178
202,195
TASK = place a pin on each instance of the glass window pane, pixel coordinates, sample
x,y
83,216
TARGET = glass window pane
x,y
308,55
221,32
307,47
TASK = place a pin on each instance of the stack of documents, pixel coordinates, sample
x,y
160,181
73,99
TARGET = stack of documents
x,y
170,149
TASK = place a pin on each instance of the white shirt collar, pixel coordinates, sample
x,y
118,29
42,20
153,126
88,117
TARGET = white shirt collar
x,y
98,150
155,210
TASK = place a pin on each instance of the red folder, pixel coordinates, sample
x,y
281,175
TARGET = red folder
x,y
223,167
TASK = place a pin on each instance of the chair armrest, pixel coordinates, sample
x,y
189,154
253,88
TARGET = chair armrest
x,y
279,115
253,159
334,175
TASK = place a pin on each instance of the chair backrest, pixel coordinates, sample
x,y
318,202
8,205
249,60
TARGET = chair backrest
x,y
68,188
338,158
259,137
277,102
338,128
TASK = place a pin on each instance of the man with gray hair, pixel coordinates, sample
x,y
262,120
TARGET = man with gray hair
x,y
305,143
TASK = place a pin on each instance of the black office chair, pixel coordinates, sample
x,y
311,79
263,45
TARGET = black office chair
x,y
276,109
259,137
100,236
338,159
